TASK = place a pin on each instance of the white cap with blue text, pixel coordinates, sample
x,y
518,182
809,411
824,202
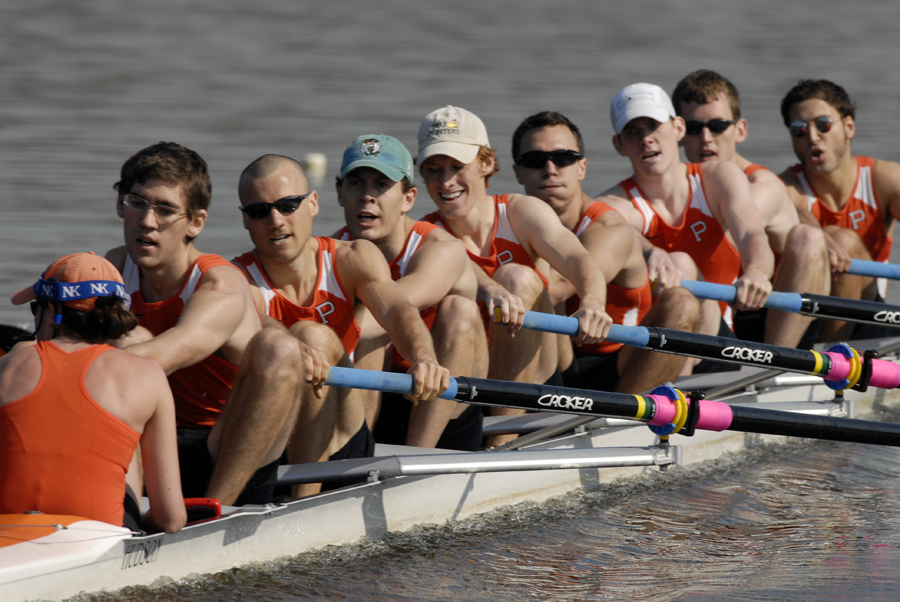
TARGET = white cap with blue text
x,y
640,100
451,131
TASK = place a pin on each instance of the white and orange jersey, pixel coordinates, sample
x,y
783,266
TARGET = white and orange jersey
x,y
200,390
414,240
860,213
699,234
331,305
505,247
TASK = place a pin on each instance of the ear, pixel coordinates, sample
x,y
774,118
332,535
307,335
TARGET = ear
x,y
487,166
617,144
409,199
245,220
197,222
741,129
120,207
680,128
517,169
337,188
849,127
582,169
313,199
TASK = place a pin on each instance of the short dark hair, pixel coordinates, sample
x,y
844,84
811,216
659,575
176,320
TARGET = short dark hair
x,y
173,164
822,89
108,320
704,86
542,120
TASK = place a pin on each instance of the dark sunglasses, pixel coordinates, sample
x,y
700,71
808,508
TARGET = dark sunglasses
x,y
715,126
285,206
538,159
799,129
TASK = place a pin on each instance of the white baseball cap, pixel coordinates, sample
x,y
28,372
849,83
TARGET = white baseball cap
x,y
451,131
640,100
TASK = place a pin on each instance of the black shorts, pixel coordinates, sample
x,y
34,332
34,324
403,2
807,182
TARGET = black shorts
x,y
132,518
360,445
197,465
593,372
391,428
874,331
751,326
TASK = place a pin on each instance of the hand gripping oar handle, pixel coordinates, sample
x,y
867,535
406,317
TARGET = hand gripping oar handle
x,y
833,365
792,302
654,409
875,269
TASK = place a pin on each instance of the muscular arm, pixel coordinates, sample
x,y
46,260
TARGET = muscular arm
x,y
729,192
364,271
838,256
219,315
438,269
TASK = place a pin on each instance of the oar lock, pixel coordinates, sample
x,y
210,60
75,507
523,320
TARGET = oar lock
x,y
860,369
686,414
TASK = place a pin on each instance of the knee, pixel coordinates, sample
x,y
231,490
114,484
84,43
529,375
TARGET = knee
x,y
520,280
456,314
678,305
319,336
274,353
848,239
686,265
806,242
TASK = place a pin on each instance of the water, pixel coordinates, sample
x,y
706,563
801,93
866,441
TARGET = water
x,y
85,84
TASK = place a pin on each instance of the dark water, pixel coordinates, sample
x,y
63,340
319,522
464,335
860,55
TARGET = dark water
x,y
85,84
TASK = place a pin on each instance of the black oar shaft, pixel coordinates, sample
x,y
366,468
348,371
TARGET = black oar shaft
x,y
851,310
772,422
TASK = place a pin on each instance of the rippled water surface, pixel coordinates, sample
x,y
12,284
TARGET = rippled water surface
x,y
85,84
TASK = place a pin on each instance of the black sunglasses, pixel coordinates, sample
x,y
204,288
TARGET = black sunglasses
x,y
799,129
715,126
285,206
538,159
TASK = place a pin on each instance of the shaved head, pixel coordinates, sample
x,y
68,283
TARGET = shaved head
x,y
267,165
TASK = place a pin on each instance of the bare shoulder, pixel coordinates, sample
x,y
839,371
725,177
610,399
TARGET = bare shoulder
x,y
524,202
224,279
617,198
138,369
886,177
438,235
357,257
723,171
117,257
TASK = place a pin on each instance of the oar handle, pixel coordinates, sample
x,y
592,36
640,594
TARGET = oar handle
x,y
791,302
875,269
387,382
634,336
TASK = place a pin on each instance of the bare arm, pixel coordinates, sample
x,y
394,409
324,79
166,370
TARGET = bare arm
x,y
438,269
536,223
729,191
159,451
364,270
219,315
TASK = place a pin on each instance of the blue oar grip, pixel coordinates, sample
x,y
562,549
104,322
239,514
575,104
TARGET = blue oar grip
x,y
875,269
386,382
635,336
791,302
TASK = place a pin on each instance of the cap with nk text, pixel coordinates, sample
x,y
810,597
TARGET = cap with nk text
x,y
76,280
381,152
640,100
451,131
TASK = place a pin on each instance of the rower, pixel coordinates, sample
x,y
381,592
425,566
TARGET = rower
x,y
854,199
506,236
704,210
376,190
318,288
235,385
73,409
549,162
711,108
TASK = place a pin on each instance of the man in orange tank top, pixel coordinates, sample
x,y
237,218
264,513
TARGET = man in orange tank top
x,y
376,190
705,211
510,237
73,409
279,208
711,108
549,162
855,199
235,385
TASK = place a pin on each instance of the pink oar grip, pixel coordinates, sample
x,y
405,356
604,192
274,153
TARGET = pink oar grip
x,y
714,415
885,375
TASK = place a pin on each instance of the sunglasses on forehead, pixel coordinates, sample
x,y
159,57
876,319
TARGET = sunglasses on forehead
x,y
285,206
538,159
799,129
715,126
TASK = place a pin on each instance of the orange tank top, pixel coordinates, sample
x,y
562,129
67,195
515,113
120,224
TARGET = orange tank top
x,y
414,240
60,451
200,390
699,234
861,213
331,305
505,247
626,306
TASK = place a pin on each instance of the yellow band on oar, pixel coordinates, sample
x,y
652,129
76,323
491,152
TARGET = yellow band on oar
x,y
681,411
642,407
855,369
498,315
819,362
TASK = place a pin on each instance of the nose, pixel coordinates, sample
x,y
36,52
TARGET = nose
x,y
550,168
275,218
706,135
149,219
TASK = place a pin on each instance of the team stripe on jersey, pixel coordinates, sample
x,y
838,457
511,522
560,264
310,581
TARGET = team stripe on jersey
x,y
645,208
328,281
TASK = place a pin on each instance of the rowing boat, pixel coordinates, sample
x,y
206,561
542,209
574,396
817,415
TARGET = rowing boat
x,y
52,557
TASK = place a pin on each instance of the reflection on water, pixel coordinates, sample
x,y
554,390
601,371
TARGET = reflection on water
x,y
805,522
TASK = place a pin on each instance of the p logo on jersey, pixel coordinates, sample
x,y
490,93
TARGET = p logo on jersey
x,y
698,228
370,147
